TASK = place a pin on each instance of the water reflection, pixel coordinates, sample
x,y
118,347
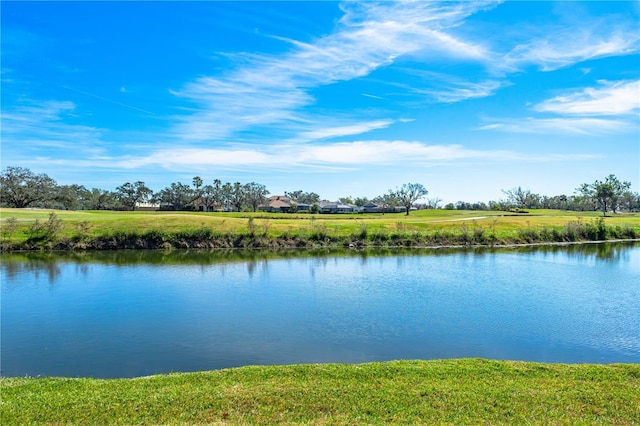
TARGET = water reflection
x,y
611,252
13,266
48,263
128,313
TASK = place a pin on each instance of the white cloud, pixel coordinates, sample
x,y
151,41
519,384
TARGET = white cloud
x,y
608,109
39,111
387,152
347,130
310,157
578,126
182,158
612,98
446,88
270,90
561,47
372,96
42,123
462,90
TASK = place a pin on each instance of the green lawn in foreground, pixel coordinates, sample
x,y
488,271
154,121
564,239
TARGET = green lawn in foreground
x,y
109,222
468,391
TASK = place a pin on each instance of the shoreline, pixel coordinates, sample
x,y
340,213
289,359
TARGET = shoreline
x,y
276,244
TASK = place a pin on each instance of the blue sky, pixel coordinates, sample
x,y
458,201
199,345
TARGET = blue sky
x,y
343,99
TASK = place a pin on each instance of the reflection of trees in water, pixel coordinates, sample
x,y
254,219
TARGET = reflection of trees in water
x,y
49,263
14,267
607,252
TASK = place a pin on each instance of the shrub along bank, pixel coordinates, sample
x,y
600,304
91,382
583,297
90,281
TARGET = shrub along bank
x,y
108,231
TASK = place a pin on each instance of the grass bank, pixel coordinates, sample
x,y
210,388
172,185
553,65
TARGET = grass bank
x,y
24,229
467,391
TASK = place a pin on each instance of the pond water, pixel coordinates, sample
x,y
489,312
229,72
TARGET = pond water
x,y
124,314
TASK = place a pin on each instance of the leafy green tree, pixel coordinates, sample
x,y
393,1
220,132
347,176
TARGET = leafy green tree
x,y
207,197
408,194
218,193
631,201
211,196
226,192
302,197
294,195
198,183
99,199
387,201
20,187
255,194
237,196
176,196
130,194
361,201
605,194
70,196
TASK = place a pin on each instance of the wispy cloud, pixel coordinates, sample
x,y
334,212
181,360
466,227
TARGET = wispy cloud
x,y
43,124
611,98
277,93
347,130
367,95
457,90
608,109
578,126
563,46
335,156
274,89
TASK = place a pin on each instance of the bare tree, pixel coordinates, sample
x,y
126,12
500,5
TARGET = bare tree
x,y
433,203
408,194
522,198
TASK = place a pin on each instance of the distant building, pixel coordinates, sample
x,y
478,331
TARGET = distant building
x,y
379,208
200,206
336,207
147,206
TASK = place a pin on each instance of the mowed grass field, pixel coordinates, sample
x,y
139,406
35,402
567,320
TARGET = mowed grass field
x,y
466,391
502,224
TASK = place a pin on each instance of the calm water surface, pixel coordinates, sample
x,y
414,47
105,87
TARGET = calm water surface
x,y
123,314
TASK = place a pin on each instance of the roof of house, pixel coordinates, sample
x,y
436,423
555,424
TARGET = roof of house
x,y
276,204
283,198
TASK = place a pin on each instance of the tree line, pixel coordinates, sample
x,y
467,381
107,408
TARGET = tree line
x,y
20,187
606,195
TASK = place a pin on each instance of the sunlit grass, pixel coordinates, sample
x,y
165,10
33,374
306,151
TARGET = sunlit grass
x,y
502,226
468,391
